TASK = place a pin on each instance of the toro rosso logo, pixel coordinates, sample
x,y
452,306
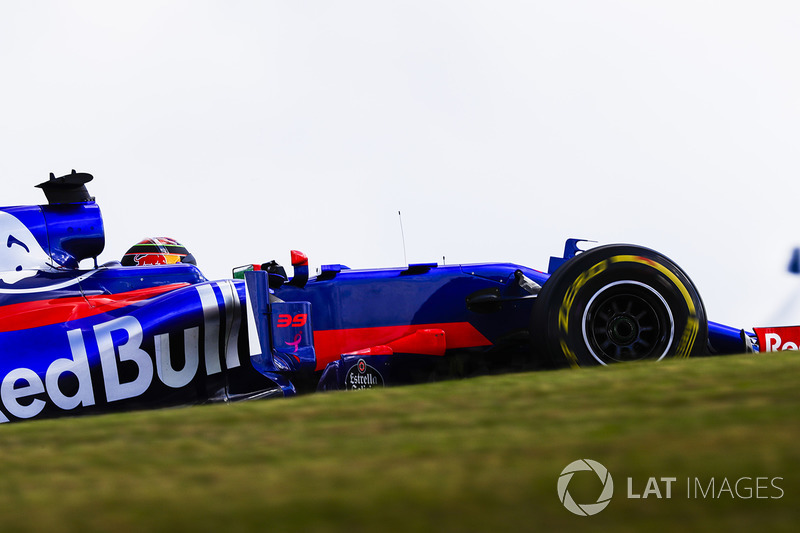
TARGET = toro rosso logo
x,y
68,382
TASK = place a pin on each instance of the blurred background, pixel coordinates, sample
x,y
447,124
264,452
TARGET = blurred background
x,y
247,128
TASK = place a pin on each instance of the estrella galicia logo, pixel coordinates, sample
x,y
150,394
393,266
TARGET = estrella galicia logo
x,y
363,376
587,509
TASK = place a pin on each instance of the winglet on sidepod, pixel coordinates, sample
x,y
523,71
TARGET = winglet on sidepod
x,y
570,250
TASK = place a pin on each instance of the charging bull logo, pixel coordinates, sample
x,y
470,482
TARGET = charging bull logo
x,y
151,259
157,251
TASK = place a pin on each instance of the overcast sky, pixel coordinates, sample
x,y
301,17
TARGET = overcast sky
x,y
247,128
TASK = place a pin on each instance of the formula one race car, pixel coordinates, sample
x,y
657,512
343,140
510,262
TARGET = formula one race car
x,y
151,331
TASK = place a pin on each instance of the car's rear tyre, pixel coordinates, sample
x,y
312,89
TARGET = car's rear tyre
x,y
618,303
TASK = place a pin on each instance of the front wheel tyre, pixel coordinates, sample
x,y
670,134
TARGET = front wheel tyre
x,y
618,303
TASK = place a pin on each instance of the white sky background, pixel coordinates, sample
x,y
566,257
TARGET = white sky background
x,y
247,128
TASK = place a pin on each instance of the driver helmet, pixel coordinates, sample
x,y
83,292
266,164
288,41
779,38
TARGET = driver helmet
x,y
157,251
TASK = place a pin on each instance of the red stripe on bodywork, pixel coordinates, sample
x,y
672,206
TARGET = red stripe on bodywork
x,y
329,345
28,315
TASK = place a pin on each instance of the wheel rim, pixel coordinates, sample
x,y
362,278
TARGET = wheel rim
x,y
627,321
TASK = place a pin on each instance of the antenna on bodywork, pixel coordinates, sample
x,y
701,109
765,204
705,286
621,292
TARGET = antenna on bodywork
x,y
403,237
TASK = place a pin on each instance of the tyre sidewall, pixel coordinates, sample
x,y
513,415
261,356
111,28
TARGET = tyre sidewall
x,y
559,317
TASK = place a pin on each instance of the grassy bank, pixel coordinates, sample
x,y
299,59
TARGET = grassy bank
x,y
475,455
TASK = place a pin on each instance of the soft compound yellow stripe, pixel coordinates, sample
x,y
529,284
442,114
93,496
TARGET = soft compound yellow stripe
x,y
661,268
569,354
692,324
569,297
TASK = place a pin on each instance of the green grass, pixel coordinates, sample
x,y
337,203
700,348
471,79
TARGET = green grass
x,y
476,455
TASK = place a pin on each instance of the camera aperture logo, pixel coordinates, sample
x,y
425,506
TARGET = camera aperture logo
x,y
658,488
585,509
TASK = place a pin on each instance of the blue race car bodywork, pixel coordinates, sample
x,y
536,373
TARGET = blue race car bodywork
x,y
77,341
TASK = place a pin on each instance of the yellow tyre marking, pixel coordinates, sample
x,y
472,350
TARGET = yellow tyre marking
x,y
692,324
570,355
569,297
